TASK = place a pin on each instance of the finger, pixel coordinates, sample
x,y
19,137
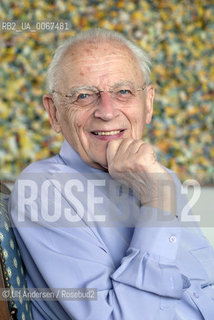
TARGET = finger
x,y
119,150
148,154
124,145
112,148
134,147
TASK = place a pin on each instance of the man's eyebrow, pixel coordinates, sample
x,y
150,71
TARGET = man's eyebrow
x,y
73,90
123,83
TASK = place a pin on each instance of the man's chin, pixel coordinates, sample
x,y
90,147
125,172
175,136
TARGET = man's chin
x,y
98,164
103,165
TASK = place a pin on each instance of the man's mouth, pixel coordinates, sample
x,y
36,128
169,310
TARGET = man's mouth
x,y
107,133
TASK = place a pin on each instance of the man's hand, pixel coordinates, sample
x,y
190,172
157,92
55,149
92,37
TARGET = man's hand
x,y
134,163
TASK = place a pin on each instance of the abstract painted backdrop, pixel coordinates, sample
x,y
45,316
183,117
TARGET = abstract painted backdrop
x,y
177,35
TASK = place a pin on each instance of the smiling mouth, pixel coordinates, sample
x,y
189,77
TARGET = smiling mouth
x,y
107,133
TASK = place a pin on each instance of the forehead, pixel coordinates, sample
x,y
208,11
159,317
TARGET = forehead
x,y
87,62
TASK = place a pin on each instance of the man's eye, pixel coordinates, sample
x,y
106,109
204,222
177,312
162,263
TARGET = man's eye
x,y
124,92
83,96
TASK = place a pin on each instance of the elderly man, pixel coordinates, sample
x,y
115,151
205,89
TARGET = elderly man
x,y
104,214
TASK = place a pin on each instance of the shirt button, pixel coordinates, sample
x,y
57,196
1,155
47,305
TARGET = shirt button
x,y
196,295
172,239
164,306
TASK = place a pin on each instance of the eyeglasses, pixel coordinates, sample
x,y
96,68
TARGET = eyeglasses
x,y
85,96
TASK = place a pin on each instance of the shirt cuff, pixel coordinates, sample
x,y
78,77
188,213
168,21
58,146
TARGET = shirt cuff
x,y
158,233
150,264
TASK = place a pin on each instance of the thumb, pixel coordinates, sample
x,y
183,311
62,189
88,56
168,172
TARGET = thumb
x,y
112,148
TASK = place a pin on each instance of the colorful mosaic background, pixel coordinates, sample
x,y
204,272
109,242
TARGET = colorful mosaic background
x,y
179,37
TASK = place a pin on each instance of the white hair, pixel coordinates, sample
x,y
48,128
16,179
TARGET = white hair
x,y
96,35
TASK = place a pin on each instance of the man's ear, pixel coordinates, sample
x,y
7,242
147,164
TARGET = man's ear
x,y
149,103
52,112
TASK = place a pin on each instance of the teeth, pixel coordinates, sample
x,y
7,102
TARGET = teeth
x,y
106,133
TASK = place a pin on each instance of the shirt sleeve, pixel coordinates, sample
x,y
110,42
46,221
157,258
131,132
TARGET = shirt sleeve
x,y
147,284
152,252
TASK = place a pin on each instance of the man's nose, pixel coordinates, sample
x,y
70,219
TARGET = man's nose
x,y
105,109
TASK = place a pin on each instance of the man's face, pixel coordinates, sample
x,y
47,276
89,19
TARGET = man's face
x,y
89,128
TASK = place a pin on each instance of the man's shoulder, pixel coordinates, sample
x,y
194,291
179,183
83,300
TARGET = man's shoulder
x,y
44,165
40,171
45,169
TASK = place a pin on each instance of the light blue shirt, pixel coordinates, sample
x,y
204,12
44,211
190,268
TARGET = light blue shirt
x,y
77,228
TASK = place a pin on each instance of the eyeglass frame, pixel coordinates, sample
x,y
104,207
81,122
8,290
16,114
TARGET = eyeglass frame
x,y
95,90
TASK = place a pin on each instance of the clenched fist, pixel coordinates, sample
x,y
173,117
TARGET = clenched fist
x,y
134,163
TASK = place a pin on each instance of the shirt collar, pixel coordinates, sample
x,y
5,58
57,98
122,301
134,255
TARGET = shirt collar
x,y
73,159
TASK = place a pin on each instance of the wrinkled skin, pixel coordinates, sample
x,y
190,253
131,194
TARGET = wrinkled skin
x,y
120,149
